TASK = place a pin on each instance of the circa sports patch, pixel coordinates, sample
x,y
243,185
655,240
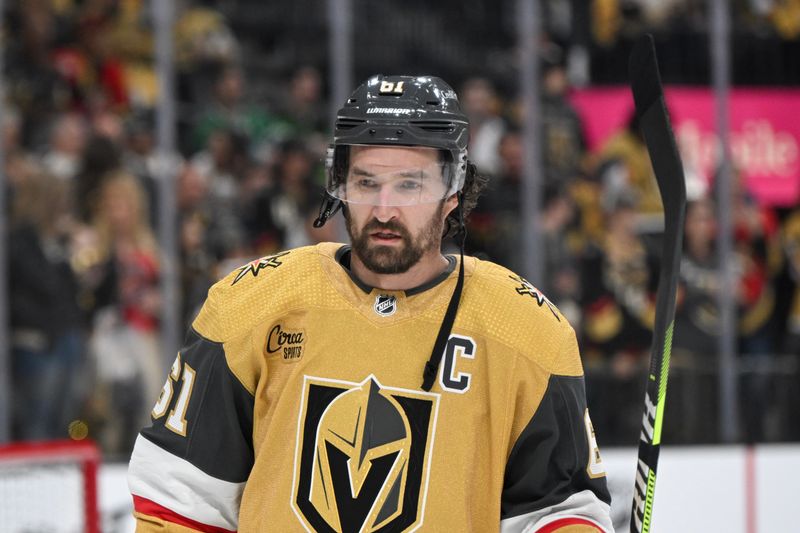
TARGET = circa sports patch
x,y
288,343
362,456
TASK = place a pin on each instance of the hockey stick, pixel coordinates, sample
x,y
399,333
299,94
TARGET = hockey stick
x,y
655,125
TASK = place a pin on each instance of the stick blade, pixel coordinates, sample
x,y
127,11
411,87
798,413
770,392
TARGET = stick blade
x,y
651,109
644,75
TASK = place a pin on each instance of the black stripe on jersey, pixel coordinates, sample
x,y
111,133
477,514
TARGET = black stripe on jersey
x,y
549,460
219,418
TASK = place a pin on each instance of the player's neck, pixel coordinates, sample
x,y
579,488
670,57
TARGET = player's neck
x,y
427,268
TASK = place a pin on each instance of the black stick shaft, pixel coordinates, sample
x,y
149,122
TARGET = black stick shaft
x,y
655,125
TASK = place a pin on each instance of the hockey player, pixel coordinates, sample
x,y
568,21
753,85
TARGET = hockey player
x,y
380,386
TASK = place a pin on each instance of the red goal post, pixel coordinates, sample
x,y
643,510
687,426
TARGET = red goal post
x,y
49,486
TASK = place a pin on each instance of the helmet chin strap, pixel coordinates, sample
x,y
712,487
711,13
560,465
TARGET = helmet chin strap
x,y
327,209
432,366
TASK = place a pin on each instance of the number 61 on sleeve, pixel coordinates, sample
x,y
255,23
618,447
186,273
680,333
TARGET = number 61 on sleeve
x,y
176,421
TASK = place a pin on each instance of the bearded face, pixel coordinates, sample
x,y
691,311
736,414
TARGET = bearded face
x,y
403,250
397,202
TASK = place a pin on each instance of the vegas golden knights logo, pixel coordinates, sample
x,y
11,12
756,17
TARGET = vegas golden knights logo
x,y
362,456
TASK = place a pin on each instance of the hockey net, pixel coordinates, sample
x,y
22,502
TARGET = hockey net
x,y
49,487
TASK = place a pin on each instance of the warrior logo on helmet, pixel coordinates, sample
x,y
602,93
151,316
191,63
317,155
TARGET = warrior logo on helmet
x,y
362,456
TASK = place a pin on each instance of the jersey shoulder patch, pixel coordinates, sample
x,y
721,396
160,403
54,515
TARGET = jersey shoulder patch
x,y
512,310
512,289
253,268
264,287
524,287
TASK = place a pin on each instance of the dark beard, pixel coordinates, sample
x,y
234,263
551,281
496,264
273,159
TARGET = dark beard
x,y
394,260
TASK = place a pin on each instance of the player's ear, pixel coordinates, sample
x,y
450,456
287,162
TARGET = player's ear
x,y
450,204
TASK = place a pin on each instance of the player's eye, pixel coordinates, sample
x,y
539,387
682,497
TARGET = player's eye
x,y
366,184
410,185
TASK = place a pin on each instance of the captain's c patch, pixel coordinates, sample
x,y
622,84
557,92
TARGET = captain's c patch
x,y
362,456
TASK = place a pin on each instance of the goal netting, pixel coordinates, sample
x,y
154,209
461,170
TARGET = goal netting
x,y
49,487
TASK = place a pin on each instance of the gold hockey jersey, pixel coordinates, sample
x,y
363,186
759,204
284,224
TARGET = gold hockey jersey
x,y
295,405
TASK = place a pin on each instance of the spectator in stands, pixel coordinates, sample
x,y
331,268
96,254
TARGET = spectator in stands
x,y
225,162
563,144
90,64
623,167
68,139
493,230
47,329
203,42
791,327
757,259
139,156
18,166
694,363
279,215
303,107
100,157
791,249
199,232
785,16
229,111
618,281
132,39
108,123
562,247
124,288
10,124
757,250
482,106
34,84
697,317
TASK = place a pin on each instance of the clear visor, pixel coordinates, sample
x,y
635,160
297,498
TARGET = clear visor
x,y
382,186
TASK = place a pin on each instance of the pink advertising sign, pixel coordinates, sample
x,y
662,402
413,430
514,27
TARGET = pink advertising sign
x,y
765,133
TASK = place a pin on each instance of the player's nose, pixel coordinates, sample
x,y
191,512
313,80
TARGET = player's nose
x,y
386,205
384,213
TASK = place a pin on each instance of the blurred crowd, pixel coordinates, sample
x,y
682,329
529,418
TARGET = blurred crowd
x,y
82,175
601,224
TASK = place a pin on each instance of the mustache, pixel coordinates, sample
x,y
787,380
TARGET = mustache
x,y
392,226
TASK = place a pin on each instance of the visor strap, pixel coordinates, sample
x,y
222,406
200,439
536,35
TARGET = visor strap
x,y
432,366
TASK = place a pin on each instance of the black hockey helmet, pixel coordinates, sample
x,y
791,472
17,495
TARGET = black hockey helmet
x,y
401,111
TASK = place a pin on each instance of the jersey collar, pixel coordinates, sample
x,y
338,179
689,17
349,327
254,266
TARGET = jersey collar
x,y
344,253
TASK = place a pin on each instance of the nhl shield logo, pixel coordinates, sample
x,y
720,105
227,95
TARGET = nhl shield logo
x,y
362,456
385,304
